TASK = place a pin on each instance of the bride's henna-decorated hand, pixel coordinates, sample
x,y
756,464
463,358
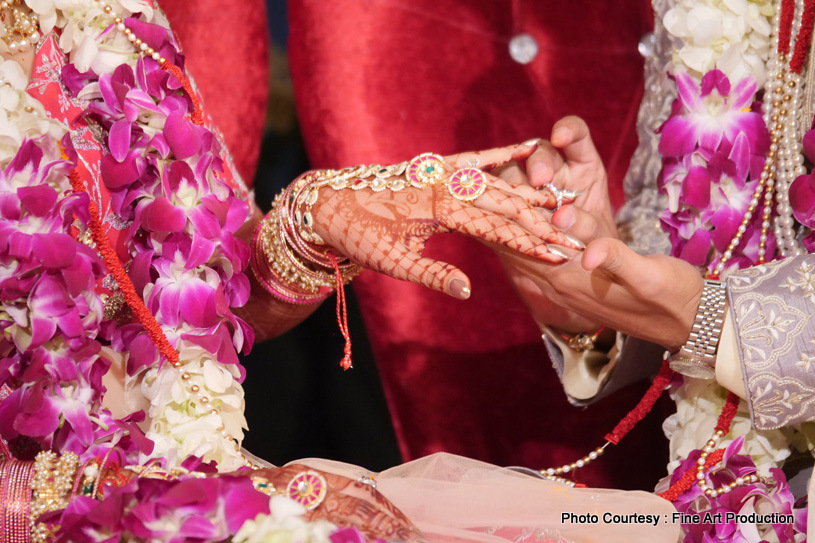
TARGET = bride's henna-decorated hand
x,y
388,230
350,503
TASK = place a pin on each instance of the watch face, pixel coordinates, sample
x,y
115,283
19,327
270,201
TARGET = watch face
x,y
693,367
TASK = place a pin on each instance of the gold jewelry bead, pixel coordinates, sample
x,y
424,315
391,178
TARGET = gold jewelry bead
x,y
195,388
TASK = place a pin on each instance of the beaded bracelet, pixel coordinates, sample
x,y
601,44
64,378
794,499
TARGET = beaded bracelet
x,y
50,490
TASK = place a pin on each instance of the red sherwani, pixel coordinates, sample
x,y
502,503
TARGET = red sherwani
x,y
384,80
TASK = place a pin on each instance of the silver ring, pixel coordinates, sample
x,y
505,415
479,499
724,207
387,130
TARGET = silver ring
x,y
560,194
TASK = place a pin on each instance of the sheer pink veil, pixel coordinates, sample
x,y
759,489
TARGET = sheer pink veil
x,y
451,498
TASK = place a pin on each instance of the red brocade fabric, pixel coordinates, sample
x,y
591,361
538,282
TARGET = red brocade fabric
x,y
383,80
227,49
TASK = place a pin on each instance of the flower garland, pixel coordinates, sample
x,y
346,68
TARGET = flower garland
x,y
176,214
714,146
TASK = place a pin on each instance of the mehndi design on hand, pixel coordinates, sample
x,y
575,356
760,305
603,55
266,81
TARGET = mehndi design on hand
x,y
382,216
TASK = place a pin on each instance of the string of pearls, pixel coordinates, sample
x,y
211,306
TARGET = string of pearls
x,y
785,161
554,474
21,30
701,478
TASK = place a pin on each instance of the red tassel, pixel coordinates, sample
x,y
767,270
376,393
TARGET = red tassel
x,y
342,314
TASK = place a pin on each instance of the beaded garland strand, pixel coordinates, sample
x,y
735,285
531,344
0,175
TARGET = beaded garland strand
x,y
114,265
22,24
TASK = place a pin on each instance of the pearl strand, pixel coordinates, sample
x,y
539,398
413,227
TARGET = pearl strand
x,y
193,390
790,147
27,25
554,474
701,478
141,46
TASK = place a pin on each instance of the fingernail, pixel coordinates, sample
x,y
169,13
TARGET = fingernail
x,y
459,289
558,253
532,143
576,242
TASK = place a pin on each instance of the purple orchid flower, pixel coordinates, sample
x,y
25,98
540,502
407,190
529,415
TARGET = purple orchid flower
x,y
712,113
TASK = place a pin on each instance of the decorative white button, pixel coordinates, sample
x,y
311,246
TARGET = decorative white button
x,y
523,48
647,45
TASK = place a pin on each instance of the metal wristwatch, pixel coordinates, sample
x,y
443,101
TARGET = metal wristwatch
x,y
697,357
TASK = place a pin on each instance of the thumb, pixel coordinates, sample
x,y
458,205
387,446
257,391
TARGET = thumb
x,y
581,224
615,258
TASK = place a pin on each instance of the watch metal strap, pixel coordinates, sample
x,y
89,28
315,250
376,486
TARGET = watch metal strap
x,y
697,358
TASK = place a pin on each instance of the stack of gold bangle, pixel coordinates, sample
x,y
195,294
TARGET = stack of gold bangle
x,y
291,261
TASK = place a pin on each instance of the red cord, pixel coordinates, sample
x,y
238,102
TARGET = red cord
x,y
342,313
731,406
799,56
785,28
197,113
644,406
114,266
